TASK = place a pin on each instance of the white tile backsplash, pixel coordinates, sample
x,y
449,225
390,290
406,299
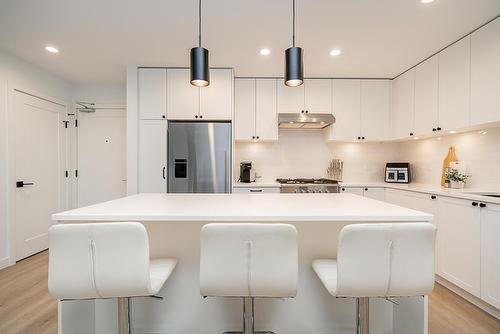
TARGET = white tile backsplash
x,y
305,153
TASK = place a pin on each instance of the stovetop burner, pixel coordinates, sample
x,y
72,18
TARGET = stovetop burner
x,y
306,181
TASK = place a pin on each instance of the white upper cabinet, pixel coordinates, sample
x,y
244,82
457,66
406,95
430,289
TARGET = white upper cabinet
x,y
266,116
290,99
346,109
216,100
426,96
318,96
485,74
454,85
255,109
152,156
244,109
375,109
403,97
490,249
152,93
183,98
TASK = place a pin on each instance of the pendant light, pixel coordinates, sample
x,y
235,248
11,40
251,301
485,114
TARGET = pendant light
x,y
294,65
200,75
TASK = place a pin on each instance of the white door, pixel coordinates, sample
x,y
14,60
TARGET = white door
x,y
459,243
39,161
266,116
490,249
454,85
216,102
318,96
426,96
152,93
375,109
244,109
101,156
485,74
290,99
403,94
183,99
153,156
346,109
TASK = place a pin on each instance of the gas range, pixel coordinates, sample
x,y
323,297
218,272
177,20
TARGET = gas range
x,y
307,185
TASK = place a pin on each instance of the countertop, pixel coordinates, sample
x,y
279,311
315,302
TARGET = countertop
x,y
243,207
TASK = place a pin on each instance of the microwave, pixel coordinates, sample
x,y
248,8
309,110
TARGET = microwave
x,y
397,172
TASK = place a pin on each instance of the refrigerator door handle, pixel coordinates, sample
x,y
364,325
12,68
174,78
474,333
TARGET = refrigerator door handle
x,y
225,171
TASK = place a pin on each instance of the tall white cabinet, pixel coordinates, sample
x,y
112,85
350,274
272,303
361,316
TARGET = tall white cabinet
x,y
403,103
152,92
152,156
426,96
490,249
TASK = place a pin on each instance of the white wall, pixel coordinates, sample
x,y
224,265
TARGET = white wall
x,y
15,73
305,153
100,94
480,152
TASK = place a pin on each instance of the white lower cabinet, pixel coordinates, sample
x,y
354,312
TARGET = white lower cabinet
x,y
460,243
490,251
255,190
377,193
152,156
352,190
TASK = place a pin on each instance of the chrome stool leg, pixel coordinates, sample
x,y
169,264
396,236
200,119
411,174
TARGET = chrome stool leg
x,y
363,315
248,319
124,315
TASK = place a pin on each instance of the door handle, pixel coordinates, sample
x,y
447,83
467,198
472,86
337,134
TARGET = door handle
x,y
255,190
163,172
20,184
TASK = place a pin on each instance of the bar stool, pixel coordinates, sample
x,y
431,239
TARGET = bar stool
x,y
248,261
380,260
105,260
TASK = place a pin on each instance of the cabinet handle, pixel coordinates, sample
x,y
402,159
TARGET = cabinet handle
x,y
302,111
438,128
482,205
201,116
366,189
195,116
163,116
433,196
359,138
434,129
258,137
307,111
253,137
474,203
163,172
363,138
343,189
411,133
255,190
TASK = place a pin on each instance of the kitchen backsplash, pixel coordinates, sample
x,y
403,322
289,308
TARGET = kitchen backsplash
x,y
305,153
479,150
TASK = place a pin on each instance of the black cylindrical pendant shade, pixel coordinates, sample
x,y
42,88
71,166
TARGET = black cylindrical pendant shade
x,y
200,74
294,67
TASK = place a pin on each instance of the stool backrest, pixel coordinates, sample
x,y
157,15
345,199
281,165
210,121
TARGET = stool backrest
x,y
248,260
99,260
382,260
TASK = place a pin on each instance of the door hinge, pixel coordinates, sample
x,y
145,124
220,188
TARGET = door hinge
x,y
76,172
76,123
66,173
66,124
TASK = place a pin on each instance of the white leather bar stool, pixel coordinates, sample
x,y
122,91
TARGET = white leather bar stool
x,y
248,261
105,260
380,260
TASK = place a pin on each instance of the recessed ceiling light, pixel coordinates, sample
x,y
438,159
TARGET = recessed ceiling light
x,y
335,52
265,52
426,1
51,49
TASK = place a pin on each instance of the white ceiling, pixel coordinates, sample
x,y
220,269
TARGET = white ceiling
x,y
98,38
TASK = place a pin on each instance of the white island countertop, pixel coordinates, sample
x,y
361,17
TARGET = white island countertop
x,y
243,207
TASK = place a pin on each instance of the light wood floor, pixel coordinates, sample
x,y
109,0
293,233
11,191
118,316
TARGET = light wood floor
x,y
27,308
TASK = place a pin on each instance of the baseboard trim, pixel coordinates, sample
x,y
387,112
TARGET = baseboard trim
x,y
5,262
491,310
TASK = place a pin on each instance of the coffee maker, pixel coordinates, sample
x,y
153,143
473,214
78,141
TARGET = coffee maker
x,y
245,167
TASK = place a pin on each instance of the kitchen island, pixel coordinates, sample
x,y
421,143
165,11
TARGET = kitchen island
x,y
173,222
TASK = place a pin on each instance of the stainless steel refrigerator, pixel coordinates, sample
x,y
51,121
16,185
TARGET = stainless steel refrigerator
x,y
199,157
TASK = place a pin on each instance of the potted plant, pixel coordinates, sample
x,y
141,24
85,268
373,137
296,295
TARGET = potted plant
x,y
457,179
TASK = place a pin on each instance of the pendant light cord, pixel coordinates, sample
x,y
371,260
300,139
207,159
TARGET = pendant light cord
x,y
293,23
199,23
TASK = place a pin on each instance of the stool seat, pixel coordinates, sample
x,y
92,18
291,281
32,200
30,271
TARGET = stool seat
x,y
326,270
159,272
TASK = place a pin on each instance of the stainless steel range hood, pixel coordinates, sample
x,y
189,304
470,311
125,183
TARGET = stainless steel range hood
x,y
305,121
